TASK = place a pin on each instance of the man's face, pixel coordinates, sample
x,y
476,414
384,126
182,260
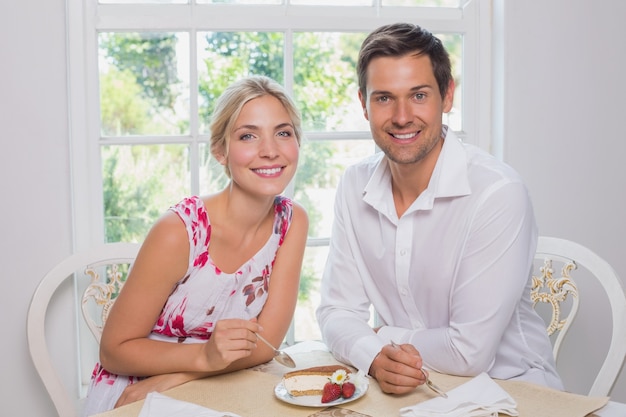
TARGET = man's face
x,y
404,106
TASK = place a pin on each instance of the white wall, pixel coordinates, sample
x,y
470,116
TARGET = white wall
x,y
564,108
564,90
35,218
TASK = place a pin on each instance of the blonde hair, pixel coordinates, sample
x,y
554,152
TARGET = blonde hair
x,y
228,107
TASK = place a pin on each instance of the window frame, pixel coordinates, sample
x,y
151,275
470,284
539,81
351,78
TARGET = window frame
x,y
85,18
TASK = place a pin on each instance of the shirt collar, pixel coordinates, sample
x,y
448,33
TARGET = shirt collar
x,y
449,179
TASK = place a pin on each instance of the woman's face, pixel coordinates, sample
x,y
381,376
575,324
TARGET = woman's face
x,y
263,149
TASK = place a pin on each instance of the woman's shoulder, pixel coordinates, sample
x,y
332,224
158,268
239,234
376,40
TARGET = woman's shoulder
x,y
289,215
192,208
188,204
286,207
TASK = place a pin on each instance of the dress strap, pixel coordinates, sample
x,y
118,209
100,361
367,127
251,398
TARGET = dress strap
x,y
283,209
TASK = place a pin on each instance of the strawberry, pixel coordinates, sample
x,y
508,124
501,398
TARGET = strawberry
x,y
331,392
347,389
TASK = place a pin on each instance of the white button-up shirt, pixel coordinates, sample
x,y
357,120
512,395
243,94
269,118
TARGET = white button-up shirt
x,y
450,276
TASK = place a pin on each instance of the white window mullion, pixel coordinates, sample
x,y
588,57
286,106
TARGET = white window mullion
x,y
194,147
484,77
223,17
477,74
84,125
288,84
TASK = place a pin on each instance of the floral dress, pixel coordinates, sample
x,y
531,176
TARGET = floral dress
x,y
203,296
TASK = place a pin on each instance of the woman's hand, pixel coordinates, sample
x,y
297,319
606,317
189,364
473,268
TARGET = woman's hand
x,y
139,390
231,340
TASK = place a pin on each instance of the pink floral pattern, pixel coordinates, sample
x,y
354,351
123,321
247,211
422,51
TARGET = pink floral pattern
x,y
206,294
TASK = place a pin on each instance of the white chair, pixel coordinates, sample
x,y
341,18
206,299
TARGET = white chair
x,y
105,266
555,289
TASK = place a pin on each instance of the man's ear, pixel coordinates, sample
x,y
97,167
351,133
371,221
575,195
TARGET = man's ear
x,y
448,100
362,100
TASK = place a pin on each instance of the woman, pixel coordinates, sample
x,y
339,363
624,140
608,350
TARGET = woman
x,y
213,270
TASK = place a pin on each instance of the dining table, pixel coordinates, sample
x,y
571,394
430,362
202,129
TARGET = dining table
x,y
253,393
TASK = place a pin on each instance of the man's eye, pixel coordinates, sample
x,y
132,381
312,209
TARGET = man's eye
x,y
383,99
420,96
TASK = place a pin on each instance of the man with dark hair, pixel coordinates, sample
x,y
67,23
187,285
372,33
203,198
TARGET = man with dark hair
x,y
436,235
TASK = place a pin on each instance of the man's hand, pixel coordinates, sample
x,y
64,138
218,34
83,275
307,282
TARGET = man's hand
x,y
398,369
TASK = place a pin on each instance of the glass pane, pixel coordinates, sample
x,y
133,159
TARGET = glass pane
x,y
239,1
454,44
144,83
425,3
224,57
140,183
325,86
305,322
212,175
143,1
333,2
320,167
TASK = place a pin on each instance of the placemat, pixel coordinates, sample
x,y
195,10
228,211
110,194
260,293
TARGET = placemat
x,y
250,393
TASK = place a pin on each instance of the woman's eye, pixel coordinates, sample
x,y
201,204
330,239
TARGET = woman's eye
x,y
247,136
285,134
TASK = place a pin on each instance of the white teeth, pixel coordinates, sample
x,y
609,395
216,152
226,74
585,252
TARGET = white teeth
x,y
268,171
406,136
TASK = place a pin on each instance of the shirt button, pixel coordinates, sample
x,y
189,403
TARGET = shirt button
x,y
403,291
403,252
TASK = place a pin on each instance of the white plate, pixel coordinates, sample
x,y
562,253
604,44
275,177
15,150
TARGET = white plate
x,y
314,400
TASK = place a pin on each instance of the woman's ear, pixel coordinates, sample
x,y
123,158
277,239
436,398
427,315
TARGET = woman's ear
x,y
221,159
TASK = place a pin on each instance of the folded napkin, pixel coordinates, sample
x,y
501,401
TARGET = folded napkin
x,y
159,405
479,397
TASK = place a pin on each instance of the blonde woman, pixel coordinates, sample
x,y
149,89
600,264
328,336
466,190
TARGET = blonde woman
x,y
216,269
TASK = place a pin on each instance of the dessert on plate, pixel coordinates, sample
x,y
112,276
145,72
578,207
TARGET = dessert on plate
x,y
310,381
331,382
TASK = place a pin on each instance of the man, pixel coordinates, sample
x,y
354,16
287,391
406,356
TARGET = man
x,y
438,236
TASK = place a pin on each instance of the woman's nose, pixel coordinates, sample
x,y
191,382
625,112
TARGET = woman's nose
x,y
269,148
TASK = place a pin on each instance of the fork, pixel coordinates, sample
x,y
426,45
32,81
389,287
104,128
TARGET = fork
x,y
429,383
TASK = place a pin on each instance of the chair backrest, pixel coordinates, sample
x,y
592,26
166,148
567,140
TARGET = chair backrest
x,y
105,266
555,288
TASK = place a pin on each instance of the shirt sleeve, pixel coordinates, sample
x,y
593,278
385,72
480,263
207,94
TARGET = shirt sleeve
x,y
492,277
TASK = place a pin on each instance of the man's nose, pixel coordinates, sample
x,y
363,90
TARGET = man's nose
x,y
401,113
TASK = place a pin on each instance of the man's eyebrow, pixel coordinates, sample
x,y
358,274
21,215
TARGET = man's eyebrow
x,y
422,87
416,88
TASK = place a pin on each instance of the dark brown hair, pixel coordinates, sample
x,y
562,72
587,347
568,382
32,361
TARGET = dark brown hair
x,y
400,39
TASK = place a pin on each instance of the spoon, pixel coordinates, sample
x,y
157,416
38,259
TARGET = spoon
x,y
429,383
279,356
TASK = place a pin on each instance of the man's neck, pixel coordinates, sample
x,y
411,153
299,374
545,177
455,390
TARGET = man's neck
x,y
408,181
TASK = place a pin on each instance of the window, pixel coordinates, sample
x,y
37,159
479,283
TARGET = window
x,y
144,74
